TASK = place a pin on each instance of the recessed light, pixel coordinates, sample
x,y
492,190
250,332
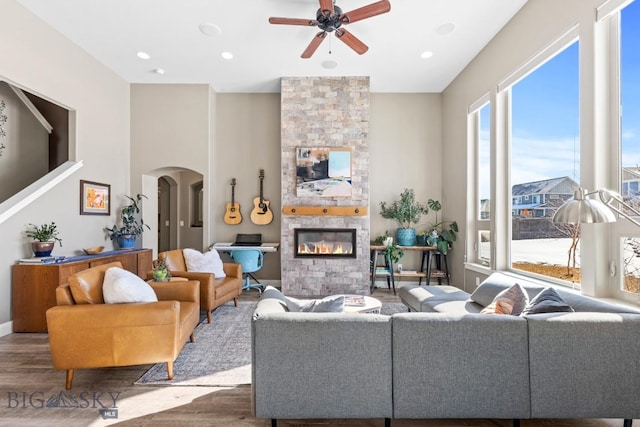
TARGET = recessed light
x,y
209,29
445,29
143,55
426,54
158,71
329,64
227,55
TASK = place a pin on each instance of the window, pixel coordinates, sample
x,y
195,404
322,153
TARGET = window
x,y
480,135
545,159
629,168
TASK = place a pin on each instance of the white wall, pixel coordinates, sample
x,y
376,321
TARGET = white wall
x,y
42,61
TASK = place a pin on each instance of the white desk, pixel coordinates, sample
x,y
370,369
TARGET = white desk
x,y
226,247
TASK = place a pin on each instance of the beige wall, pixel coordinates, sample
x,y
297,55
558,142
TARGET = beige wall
x,y
26,153
248,134
405,148
42,61
171,132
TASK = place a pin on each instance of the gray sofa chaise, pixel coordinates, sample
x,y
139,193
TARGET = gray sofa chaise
x,y
447,360
583,364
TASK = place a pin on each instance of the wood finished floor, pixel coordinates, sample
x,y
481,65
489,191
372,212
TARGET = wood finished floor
x,y
28,381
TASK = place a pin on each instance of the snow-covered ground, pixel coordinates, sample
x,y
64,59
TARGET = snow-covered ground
x,y
549,251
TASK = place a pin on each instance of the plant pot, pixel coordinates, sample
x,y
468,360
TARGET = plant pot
x,y
126,242
421,240
42,249
406,237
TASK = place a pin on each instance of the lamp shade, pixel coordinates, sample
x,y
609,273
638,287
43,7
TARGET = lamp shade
x,y
581,209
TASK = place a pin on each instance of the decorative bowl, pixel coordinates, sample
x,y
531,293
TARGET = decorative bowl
x,y
93,251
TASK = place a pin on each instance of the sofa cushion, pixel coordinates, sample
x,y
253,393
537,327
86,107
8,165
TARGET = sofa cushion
x,y
498,282
86,285
271,293
122,286
208,262
330,304
547,301
510,301
424,297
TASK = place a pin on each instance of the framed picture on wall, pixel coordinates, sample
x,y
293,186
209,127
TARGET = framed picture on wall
x,y
95,198
323,172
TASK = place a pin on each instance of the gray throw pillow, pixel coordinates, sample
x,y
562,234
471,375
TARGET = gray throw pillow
x,y
330,304
547,301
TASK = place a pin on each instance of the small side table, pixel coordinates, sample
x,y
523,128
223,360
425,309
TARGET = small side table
x,y
376,251
440,270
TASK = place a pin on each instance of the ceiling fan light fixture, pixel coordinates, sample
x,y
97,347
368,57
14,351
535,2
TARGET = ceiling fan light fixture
x,y
329,64
209,29
446,28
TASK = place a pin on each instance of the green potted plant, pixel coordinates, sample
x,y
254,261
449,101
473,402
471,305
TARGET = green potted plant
x,y
391,249
45,236
407,212
442,234
160,271
131,228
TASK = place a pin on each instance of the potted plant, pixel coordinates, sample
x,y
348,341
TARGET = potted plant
x,y
160,271
45,237
127,234
443,233
407,211
391,250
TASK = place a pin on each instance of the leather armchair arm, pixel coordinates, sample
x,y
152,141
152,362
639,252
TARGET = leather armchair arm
x,y
79,317
232,269
177,291
194,275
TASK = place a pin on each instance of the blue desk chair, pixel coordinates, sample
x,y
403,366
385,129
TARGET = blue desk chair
x,y
251,261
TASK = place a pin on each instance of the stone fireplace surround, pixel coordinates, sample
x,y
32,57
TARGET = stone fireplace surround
x,y
325,112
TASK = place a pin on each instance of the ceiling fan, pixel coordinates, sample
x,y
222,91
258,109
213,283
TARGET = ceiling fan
x,y
330,18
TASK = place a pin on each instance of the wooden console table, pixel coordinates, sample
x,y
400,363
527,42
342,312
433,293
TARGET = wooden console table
x,y
34,285
428,253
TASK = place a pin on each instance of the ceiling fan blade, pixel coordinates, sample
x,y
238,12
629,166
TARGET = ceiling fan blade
x,y
293,21
314,44
352,41
373,9
327,5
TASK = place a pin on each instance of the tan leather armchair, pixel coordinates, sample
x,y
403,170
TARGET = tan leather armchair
x,y
84,332
213,292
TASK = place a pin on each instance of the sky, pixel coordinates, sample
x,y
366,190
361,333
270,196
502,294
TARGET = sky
x,y
545,120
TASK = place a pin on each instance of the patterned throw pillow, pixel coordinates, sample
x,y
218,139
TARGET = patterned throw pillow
x,y
208,262
547,301
510,301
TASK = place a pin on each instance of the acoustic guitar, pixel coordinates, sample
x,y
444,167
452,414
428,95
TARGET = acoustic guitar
x,y
233,216
261,213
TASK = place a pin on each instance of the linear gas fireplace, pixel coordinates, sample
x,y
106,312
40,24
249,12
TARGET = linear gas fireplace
x,y
325,242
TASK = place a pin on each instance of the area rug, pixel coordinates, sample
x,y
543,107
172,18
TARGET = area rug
x,y
221,353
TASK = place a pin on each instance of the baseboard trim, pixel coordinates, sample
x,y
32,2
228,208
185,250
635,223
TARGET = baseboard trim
x,y
6,328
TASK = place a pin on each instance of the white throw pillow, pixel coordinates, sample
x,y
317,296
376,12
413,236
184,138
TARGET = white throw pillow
x,y
122,286
208,262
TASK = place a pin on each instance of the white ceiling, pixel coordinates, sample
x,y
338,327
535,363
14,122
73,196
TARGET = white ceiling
x,y
113,31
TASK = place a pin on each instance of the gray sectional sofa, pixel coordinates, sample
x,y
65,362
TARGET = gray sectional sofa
x,y
446,360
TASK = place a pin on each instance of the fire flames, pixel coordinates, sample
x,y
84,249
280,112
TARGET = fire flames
x,y
322,248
